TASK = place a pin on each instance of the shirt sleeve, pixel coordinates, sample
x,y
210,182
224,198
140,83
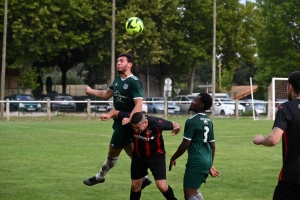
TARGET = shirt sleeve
x,y
188,130
164,124
137,90
281,120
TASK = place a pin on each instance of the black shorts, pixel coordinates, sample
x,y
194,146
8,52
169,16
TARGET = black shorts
x,y
156,164
286,191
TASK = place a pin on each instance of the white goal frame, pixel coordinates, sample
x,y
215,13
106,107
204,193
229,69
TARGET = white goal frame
x,y
273,94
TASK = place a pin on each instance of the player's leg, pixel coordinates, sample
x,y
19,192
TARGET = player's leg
x,y
129,149
137,171
190,194
199,195
110,162
157,165
191,184
117,143
165,189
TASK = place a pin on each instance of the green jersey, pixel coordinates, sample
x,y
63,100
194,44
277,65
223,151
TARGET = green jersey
x,y
125,91
199,130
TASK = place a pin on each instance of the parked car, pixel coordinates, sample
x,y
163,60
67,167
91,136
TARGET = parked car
x,y
103,106
156,105
64,102
260,107
95,106
226,106
144,107
23,105
184,102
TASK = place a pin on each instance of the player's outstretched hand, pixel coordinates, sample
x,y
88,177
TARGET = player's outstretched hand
x,y
125,121
105,117
172,162
258,139
214,172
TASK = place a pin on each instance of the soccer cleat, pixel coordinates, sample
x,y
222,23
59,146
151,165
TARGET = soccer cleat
x,y
93,181
146,182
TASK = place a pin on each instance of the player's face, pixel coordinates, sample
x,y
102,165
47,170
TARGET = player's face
x,y
141,126
123,65
196,105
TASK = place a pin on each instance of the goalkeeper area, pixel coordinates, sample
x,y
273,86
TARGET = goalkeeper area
x,y
277,94
49,159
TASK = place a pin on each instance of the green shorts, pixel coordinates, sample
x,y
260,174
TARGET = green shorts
x,y
122,135
193,179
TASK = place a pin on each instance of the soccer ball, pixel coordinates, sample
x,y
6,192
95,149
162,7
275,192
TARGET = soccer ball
x,y
134,26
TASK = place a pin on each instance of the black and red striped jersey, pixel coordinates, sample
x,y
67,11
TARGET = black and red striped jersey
x,y
288,119
150,141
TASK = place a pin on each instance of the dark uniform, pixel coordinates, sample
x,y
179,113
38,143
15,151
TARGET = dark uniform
x,y
149,149
124,93
199,130
288,119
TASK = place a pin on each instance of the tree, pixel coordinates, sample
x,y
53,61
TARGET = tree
x,y
40,30
278,40
236,27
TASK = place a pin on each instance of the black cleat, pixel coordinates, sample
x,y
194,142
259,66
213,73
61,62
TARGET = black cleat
x,y
146,182
93,181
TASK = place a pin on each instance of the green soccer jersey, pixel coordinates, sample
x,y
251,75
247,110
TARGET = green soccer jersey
x,y
199,130
125,91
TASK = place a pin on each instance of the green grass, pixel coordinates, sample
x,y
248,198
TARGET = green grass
x,y
42,159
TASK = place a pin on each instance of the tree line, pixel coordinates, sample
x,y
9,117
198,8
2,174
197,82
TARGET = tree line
x,y
254,39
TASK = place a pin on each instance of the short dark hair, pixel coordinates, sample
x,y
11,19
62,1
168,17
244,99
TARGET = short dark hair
x,y
129,57
294,80
206,99
137,117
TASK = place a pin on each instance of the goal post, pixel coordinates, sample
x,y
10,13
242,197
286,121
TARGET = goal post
x,y
277,94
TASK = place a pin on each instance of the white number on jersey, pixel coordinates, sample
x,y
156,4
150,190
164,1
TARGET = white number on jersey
x,y
205,133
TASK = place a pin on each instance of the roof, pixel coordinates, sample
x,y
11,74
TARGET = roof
x,y
239,92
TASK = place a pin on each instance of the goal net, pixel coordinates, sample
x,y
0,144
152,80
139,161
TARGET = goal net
x,y
277,94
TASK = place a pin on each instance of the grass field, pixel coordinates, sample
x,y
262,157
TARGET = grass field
x,y
41,159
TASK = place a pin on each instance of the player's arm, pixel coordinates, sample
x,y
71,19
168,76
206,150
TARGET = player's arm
x,y
104,94
213,171
181,149
138,103
271,140
109,115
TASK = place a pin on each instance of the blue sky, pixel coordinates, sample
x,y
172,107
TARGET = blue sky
x,y
244,1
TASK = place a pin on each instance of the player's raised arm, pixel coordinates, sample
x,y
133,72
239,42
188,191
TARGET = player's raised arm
x,y
104,94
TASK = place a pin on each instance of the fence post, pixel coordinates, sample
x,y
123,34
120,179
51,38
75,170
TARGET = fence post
x,y
7,109
88,109
236,109
48,109
166,109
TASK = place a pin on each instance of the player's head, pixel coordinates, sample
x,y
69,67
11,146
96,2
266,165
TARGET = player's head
x,y
202,102
139,122
125,63
294,81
